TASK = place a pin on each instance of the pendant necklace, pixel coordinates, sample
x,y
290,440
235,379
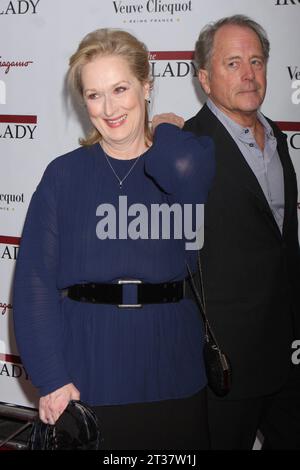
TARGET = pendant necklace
x,y
121,181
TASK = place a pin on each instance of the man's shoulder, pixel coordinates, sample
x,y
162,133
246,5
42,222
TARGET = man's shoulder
x,y
274,126
195,121
203,123
280,136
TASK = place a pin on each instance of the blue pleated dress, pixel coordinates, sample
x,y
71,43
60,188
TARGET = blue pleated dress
x,y
112,355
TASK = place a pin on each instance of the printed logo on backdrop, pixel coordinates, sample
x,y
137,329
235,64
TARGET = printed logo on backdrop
x,y
151,11
294,140
11,366
5,308
172,64
2,92
10,201
17,127
294,129
19,7
9,247
9,65
287,2
294,75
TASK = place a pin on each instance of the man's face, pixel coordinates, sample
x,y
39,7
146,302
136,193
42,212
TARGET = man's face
x,y
236,82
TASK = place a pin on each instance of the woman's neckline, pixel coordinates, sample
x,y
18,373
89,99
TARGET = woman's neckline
x,y
131,159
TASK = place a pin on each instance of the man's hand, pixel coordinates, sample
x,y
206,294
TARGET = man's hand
x,y
53,405
167,118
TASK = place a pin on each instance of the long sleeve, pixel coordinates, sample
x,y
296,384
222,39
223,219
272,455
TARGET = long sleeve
x,y
37,319
186,165
112,357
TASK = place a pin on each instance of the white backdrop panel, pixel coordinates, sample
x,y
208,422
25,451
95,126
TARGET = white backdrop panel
x,y
37,122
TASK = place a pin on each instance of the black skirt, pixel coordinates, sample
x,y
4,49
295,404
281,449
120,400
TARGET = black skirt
x,y
178,424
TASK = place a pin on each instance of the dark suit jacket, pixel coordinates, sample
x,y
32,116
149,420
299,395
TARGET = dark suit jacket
x,y
251,272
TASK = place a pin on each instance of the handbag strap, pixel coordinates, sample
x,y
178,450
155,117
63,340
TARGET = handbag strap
x,y
201,299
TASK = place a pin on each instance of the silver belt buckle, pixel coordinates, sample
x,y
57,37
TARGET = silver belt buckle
x,y
129,281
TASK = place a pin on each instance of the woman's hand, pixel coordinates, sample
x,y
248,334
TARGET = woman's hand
x,y
51,406
167,118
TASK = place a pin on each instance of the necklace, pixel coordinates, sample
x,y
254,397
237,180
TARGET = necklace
x,y
121,181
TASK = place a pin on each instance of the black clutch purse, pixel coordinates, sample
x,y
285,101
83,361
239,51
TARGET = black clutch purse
x,y
217,365
76,429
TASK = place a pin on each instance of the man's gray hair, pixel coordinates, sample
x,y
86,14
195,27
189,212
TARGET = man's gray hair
x,y
205,42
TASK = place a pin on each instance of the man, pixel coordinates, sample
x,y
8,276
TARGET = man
x,y
250,259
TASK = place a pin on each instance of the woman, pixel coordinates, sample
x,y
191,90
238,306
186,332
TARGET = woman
x,y
99,307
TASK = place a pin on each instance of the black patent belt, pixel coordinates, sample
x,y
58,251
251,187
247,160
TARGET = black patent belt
x,y
128,293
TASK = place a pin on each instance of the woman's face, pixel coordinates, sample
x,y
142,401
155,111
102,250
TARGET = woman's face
x,y
115,102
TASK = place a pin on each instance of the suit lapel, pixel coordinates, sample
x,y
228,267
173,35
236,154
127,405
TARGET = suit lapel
x,y
287,175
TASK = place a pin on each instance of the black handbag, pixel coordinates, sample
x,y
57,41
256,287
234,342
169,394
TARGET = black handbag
x,y
217,365
76,429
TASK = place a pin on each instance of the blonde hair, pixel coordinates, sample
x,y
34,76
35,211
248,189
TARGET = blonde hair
x,y
106,42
